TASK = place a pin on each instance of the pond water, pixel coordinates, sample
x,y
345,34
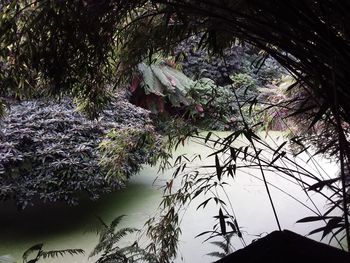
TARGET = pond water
x,y
60,227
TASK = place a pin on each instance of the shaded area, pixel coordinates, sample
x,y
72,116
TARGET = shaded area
x,y
59,226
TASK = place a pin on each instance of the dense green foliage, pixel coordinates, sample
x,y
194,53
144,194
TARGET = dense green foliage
x,y
123,151
55,48
219,110
196,62
52,152
166,91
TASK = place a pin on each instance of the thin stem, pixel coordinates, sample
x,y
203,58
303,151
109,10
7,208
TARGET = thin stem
x,y
256,153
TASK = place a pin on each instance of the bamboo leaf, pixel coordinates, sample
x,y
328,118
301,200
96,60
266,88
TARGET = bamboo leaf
x,y
35,248
279,156
222,222
207,137
279,148
319,186
324,107
313,219
204,203
217,254
218,168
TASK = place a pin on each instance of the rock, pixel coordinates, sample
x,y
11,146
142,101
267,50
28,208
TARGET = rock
x,y
287,247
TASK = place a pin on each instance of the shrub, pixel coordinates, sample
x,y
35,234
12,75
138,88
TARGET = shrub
x,y
49,151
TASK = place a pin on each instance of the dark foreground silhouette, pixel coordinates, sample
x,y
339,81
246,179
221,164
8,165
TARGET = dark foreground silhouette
x,y
284,247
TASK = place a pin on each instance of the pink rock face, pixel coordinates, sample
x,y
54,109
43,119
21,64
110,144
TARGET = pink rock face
x,y
135,83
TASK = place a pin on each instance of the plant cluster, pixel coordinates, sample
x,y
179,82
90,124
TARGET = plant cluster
x,y
52,152
123,151
218,107
108,249
196,62
36,253
165,90
159,87
261,67
42,45
298,113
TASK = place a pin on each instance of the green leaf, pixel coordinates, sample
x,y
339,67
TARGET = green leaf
x,y
116,221
204,233
231,169
331,225
233,153
313,219
204,203
233,226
